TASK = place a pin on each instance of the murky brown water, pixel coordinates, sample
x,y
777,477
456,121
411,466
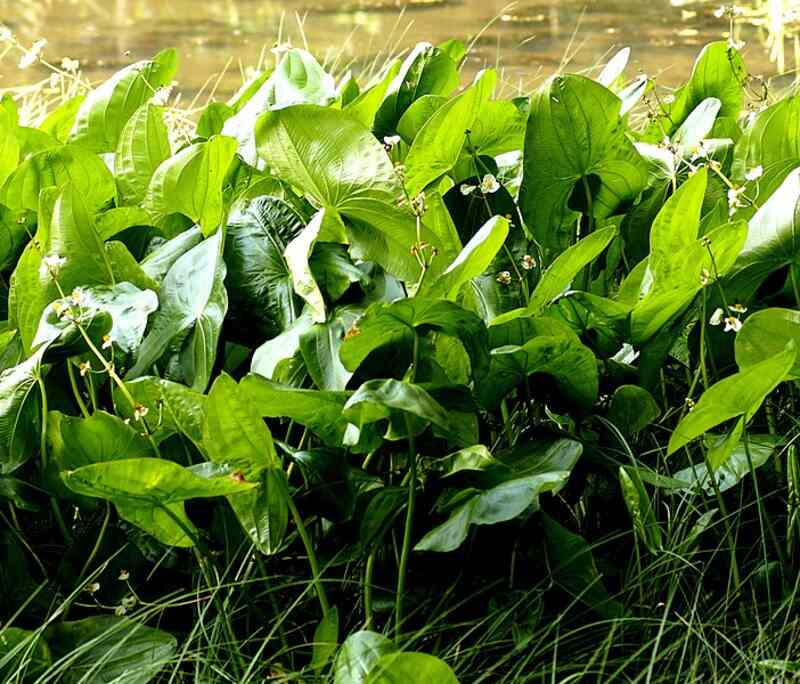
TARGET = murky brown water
x,y
531,36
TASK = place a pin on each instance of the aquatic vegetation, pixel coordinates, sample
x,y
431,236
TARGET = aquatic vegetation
x,y
398,381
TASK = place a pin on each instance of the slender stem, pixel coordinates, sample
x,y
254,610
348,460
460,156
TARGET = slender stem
x,y
407,532
97,544
369,570
73,383
312,556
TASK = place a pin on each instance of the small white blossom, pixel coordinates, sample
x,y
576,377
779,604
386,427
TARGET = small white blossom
x,y
504,278
705,276
140,412
468,189
107,341
732,323
32,56
735,199
528,262
716,317
93,588
6,36
489,184
162,95
754,174
51,264
280,48
124,576
55,80
76,296
391,140
70,65
84,368
120,610
738,308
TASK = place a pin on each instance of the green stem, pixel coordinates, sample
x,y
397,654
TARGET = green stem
x,y
73,383
312,556
97,543
407,532
368,573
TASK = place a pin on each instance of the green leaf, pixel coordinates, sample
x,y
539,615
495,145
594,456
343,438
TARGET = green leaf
x,y
501,503
9,144
56,168
734,469
719,72
351,174
144,489
23,650
106,109
741,394
521,347
298,79
263,512
326,639
575,137
471,262
410,668
234,433
171,407
499,127
358,655
366,105
573,567
425,71
320,412
438,144
632,409
158,262
76,442
107,649
259,282
321,344
558,277
188,321
190,183
276,358
773,138
19,414
397,323
392,400
143,146
640,508
765,334
15,229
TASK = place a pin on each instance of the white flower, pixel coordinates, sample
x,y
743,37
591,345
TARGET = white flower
x,y
705,276
716,317
720,11
6,35
489,184
140,412
280,48
84,368
51,265
119,611
107,341
124,575
468,189
76,296
504,278
93,587
32,56
69,64
736,44
735,199
55,80
754,174
391,140
738,308
528,262
732,323
129,602
162,95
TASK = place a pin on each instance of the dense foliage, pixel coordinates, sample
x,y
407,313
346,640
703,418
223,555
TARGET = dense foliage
x,y
400,382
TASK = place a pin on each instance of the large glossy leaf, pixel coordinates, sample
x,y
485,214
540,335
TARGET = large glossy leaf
x,y
320,346
143,145
56,168
558,277
471,262
575,137
298,79
774,137
19,414
262,512
425,71
9,145
680,264
498,504
171,407
573,567
438,144
278,358
358,655
143,489
765,334
398,322
190,183
340,166
719,72
739,395
188,321
68,235
410,668
106,110
320,412
259,282
109,650
539,346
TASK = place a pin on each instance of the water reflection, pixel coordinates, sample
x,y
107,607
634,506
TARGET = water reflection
x,y
530,37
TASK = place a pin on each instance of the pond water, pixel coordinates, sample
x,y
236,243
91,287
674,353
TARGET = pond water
x,y
531,37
